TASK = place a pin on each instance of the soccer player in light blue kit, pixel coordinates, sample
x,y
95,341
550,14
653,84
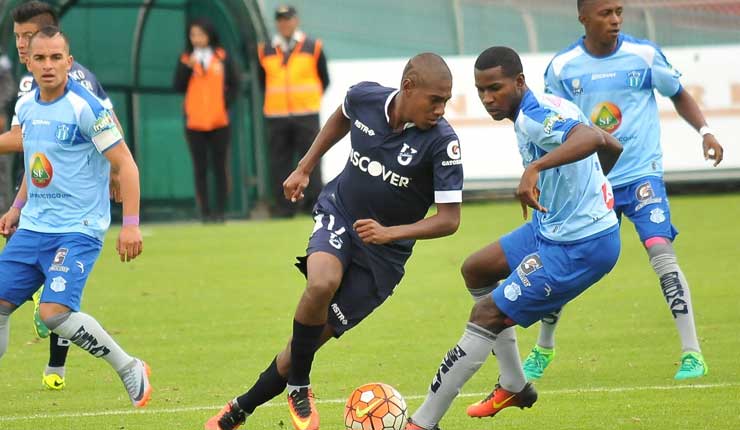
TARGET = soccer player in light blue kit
x,y
29,18
71,144
612,76
571,242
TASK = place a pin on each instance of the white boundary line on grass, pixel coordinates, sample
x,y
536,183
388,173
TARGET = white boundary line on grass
x,y
215,408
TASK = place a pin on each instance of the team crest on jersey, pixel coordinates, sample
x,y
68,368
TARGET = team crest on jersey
x,y
633,78
406,155
63,133
41,170
606,116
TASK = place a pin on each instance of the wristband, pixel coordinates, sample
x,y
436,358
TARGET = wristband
x,y
19,203
130,220
705,130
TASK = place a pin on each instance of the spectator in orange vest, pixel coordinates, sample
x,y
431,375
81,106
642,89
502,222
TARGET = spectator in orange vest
x,y
293,75
206,74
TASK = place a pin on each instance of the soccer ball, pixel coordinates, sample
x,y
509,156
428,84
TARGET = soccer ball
x,y
375,406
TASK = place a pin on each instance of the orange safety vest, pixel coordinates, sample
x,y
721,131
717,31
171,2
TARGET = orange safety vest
x,y
205,104
292,87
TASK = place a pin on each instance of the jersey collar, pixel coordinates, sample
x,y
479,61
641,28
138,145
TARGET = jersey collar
x,y
528,101
388,117
582,43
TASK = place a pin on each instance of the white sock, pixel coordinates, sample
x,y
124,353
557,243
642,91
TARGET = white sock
x,y
512,377
85,332
58,370
548,324
4,329
458,366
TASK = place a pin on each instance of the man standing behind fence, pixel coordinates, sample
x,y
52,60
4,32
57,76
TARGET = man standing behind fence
x,y
293,75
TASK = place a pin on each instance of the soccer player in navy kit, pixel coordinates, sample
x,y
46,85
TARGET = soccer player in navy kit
x,y
571,242
28,19
613,77
404,158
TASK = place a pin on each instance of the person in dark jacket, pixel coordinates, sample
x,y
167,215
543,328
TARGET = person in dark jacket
x,y
207,76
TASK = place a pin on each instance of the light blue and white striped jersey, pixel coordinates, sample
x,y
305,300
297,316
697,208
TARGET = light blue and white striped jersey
x,y
66,172
616,91
577,196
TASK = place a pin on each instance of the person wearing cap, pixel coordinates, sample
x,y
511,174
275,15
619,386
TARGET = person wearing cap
x,y
293,76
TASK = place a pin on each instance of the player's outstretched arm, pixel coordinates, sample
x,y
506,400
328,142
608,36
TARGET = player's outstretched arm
x,y
11,140
336,127
130,243
444,223
689,110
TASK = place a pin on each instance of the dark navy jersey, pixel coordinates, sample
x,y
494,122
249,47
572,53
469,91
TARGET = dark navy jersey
x,y
394,177
79,73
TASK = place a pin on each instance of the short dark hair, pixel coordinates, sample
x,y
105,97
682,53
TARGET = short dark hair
x,y
426,66
35,11
48,32
502,56
208,28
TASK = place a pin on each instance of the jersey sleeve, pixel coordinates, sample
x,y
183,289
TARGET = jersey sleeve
x,y
666,79
100,128
448,172
355,94
102,95
553,85
548,129
25,85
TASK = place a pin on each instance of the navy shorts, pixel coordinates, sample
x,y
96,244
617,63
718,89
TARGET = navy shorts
x,y
370,272
645,203
61,262
546,275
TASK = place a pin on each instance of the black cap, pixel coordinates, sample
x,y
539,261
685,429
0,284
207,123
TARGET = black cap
x,y
285,12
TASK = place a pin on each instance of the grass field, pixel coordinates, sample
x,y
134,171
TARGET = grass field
x,y
209,306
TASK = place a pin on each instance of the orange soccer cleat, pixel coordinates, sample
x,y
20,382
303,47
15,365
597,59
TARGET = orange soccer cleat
x,y
500,399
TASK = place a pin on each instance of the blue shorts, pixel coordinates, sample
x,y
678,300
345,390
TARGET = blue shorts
x,y
645,203
546,275
60,262
370,272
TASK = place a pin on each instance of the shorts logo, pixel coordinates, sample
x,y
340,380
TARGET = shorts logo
x,y
339,314
406,155
606,116
57,265
512,291
530,264
657,215
646,196
335,240
41,170
58,284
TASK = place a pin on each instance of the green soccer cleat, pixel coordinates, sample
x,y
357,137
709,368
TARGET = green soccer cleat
x,y
39,327
692,366
537,361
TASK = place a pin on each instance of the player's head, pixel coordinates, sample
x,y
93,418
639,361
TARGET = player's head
x,y
602,19
500,81
426,86
286,20
29,18
201,33
48,58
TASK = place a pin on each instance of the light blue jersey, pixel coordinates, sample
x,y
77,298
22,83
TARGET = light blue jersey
x,y
577,196
66,172
616,91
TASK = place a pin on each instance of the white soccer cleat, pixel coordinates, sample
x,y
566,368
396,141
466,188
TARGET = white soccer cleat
x,y
135,378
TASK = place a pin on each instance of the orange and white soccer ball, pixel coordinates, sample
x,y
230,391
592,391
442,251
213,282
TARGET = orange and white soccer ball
x,y
375,406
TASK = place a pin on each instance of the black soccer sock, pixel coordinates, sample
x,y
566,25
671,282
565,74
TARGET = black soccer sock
x,y
57,350
302,349
269,385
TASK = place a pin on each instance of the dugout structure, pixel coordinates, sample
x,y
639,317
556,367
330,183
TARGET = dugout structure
x,y
133,48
